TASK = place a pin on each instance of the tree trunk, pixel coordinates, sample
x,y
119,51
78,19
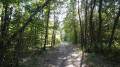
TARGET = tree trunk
x,y
46,35
4,32
91,24
80,26
86,8
100,23
75,32
114,28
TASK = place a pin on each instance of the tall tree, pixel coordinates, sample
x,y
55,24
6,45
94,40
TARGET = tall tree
x,y
86,9
75,32
80,25
91,23
114,28
4,30
100,24
46,35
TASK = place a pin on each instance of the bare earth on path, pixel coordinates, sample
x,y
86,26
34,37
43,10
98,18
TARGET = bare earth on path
x,y
67,56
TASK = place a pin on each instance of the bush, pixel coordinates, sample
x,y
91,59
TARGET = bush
x,y
57,41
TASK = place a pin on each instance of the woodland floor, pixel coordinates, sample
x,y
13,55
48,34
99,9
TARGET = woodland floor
x,y
66,55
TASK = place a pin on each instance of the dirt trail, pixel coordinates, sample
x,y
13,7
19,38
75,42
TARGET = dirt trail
x,y
66,56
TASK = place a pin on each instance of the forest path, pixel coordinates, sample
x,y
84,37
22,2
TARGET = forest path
x,y
67,56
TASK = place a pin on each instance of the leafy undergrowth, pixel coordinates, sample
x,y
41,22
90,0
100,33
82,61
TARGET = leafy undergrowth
x,y
110,55
95,60
109,58
113,55
37,59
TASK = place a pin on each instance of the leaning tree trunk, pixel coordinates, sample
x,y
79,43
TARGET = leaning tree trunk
x,y
8,44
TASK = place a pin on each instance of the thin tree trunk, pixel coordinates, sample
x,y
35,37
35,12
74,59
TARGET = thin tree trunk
x,y
53,36
18,45
41,39
46,35
4,32
54,25
100,23
91,24
52,39
80,25
114,28
75,32
86,8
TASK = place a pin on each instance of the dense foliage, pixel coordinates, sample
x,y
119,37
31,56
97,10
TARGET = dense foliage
x,y
25,26
95,25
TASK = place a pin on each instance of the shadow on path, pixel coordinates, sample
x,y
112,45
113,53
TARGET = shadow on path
x,y
67,55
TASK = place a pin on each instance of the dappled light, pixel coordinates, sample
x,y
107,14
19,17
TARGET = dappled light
x,y
59,33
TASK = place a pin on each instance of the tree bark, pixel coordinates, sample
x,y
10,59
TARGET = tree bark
x,y
80,26
91,24
4,32
100,23
19,40
46,35
75,32
86,9
53,34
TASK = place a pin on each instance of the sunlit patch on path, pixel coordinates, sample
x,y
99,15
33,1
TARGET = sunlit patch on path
x,y
67,56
